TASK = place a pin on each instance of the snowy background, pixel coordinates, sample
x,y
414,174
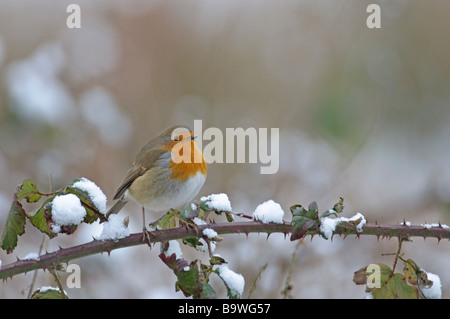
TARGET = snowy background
x,y
363,114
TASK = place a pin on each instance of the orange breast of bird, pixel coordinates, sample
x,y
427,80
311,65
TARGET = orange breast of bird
x,y
187,160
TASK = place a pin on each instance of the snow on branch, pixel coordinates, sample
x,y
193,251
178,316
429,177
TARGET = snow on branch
x,y
83,202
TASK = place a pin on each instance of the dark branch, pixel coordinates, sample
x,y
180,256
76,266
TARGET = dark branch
x,y
65,255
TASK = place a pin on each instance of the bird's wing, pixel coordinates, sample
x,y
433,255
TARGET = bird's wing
x,y
142,165
133,173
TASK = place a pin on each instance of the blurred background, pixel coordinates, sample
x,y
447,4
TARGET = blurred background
x,y
363,114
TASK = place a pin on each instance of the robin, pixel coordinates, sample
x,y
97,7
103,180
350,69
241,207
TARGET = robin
x,y
168,172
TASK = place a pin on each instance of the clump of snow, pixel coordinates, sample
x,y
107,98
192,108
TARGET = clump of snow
x,y
219,202
435,291
328,225
204,245
429,226
114,229
95,193
198,221
47,288
174,248
269,212
406,223
31,256
235,282
66,210
209,232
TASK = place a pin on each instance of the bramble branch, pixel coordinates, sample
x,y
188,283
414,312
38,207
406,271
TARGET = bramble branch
x,y
64,255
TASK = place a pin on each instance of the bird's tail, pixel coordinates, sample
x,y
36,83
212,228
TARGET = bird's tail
x,y
117,207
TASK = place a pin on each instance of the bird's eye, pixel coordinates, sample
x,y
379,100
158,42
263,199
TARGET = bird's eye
x,y
176,138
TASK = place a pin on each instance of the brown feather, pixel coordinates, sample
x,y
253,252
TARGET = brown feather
x,y
145,160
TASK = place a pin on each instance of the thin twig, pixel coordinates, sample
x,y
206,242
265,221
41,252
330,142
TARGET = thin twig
x,y
286,292
258,276
33,281
397,254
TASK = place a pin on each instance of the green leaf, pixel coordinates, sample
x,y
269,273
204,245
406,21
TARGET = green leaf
x,y
14,227
329,213
15,223
203,204
303,220
396,287
42,219
229,217
217,260
339,206
49,294
296,209
188,275
189,280
28,190
313,207
208,292
415,275
386,284
301,225
411,270
191,241
167,221
189,211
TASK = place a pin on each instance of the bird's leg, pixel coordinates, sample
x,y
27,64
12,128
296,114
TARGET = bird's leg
x,y
188,225
145,232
